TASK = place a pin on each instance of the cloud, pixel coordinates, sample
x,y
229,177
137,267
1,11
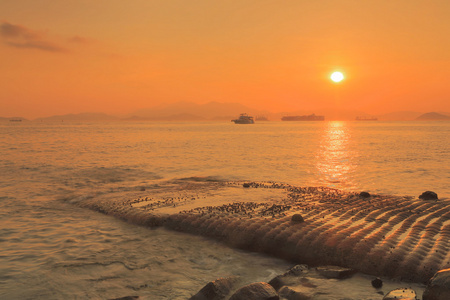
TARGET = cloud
x,y
21,37
41,45
80,40
10,30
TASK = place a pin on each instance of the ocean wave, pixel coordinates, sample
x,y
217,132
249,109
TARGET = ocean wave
x,y
201,179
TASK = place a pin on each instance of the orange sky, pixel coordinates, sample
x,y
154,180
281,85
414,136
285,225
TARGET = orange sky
x,y
117,56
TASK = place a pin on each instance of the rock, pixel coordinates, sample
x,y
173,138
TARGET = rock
x,y
297,270
428,195
306,282
142,189
256,291
126,298
438,287
401,294
217,289
335,272
377,283
293,294
278,281
364,195
297,218
289,277
246,185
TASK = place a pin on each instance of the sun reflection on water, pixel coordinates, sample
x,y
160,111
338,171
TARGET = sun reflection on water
x,y
335,159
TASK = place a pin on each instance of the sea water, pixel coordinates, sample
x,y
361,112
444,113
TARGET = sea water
x,y
52,249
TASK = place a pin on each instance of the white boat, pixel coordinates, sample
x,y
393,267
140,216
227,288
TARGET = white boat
x,y
244,119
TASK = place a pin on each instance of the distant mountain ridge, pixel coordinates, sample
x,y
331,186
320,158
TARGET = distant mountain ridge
x,y
216,111
79,117
192,111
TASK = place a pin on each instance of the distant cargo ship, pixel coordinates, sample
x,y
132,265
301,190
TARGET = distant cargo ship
x,y
312,117
366,119
244,119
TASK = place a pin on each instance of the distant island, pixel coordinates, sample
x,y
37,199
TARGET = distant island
x,y
433,116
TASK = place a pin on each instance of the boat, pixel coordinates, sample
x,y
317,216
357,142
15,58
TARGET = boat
x,y
244,119
312,117
366,119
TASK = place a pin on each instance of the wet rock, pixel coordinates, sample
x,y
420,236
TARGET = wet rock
x,y
306,282
428,195
256,291
297,270
246,185
335,272
364,195
377,283
294,294
297,218
438,287
289,277
217,289
401,294
278,281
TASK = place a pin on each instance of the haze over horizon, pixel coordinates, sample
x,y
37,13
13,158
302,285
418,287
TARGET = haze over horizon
x,y
215,111
108,56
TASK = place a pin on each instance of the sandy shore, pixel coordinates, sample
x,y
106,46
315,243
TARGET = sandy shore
x,y
398,237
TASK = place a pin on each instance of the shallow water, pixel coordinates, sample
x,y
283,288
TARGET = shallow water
x,y
52,249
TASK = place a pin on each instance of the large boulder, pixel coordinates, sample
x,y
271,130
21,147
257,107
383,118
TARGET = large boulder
x,y
377,283
217,289
297,218
438,287
401,294
256,291
364,195
428,195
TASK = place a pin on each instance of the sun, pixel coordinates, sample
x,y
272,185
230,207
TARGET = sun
x,y
337,76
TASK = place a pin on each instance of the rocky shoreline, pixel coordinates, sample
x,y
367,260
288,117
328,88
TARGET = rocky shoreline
x,y
403,238
325,282
303,283
322,283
